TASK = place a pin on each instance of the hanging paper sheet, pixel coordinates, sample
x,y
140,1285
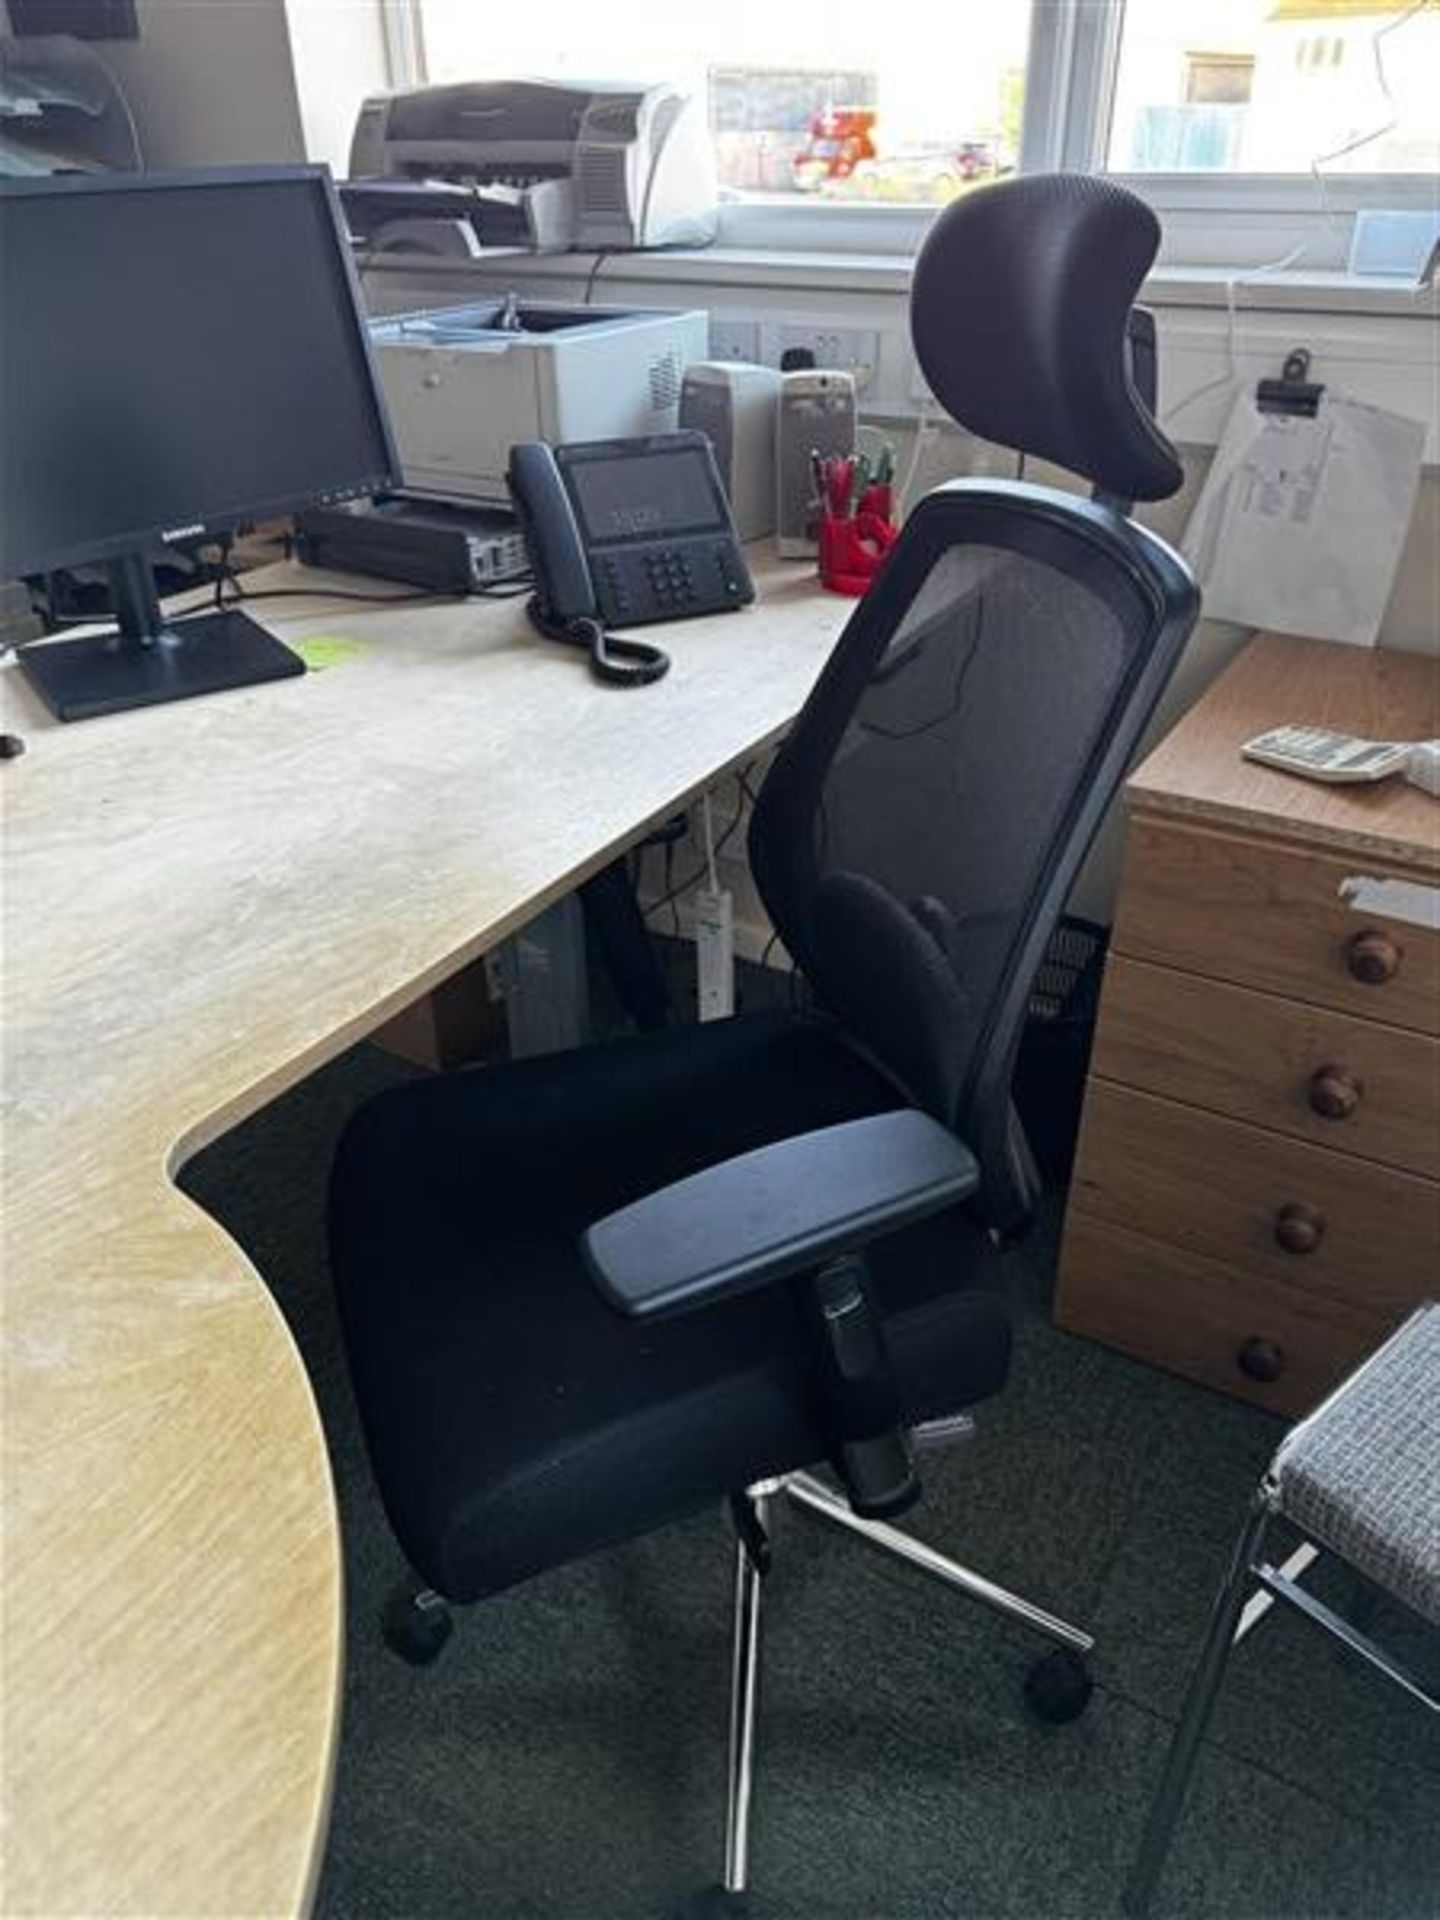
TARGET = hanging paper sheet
x,y
1300,522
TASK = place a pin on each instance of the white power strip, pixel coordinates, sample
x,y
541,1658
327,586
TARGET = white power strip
x,y
713,912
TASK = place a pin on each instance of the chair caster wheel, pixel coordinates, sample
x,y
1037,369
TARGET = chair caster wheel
x,y
416,1624
1058,1687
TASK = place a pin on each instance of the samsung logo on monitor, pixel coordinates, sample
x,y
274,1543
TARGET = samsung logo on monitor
x,y
183,533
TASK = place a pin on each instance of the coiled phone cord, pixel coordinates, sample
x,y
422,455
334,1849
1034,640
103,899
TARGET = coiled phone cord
x,y
620,663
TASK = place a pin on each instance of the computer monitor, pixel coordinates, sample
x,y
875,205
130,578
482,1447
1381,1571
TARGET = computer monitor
x,y
179,354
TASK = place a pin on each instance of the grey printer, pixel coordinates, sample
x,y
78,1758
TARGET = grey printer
x,y
464,384
550,167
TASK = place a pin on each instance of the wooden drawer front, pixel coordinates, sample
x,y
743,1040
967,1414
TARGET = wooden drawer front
x,y
1344,1083
1219,1188
1209,1320
1270,917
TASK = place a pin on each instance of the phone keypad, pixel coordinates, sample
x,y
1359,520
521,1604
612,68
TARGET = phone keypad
x,y
671,580
639,584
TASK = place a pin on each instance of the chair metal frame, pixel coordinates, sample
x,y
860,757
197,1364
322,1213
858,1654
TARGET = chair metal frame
x,y
1233,1616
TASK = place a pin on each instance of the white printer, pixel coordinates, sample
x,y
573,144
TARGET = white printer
x,y
465,384
550,166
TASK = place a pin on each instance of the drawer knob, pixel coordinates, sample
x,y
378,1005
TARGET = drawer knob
x,y
1299,1228
1261,1360
1335,1092
1373,957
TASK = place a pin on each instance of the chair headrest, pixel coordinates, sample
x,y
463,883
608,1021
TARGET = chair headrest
x,y
1018,310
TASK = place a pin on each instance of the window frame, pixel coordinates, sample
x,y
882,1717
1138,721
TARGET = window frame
x,y
1246,221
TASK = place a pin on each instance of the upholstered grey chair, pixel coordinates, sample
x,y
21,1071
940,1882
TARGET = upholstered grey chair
x,y
1361,1478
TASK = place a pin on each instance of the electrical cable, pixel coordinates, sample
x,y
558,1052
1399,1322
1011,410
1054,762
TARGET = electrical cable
x,y
1377,54
456,599
243,597
1232,371
957,691
922,429
600,258
709,829
672,893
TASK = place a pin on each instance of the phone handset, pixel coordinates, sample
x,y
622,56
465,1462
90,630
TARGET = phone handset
x,y
563,606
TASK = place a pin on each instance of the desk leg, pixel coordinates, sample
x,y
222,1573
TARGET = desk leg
x,y
613,915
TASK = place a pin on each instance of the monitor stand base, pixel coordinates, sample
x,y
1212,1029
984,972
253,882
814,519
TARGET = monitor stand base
x,y
146,659
107,672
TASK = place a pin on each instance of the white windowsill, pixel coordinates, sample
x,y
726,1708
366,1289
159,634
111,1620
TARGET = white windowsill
x,y
1292,291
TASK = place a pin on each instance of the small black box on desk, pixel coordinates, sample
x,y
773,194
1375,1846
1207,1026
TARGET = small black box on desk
x,y
446,547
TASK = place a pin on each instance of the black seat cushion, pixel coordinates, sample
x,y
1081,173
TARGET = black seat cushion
x,y
514,1419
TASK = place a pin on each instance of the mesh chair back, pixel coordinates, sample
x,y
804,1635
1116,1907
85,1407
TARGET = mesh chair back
x,y
918,833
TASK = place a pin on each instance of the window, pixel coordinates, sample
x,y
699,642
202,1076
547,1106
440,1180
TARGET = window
x,y
1290,109
849,105
1281,87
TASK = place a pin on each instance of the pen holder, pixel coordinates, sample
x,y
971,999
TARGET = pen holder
x,y
852,546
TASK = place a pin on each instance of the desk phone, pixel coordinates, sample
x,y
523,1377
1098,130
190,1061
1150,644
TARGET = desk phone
x,y
624,532
629,530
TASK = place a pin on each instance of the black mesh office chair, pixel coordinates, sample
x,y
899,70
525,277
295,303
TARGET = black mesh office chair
x,y
589,1293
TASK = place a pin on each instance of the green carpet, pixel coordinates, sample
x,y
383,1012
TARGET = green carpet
x,y
566,1755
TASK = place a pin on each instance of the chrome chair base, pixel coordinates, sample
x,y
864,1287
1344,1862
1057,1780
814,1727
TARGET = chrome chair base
x,y
750,1569
813,1496
1231,1619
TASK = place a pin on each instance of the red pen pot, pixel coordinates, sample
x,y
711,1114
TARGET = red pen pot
x,y
851,549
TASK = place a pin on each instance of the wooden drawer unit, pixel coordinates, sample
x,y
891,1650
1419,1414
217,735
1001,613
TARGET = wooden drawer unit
x,y
1280,1209
1279,1346
1256,1197
1352,1085
1276,918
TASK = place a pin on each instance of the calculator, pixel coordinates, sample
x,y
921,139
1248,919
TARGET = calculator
x,y
1319,754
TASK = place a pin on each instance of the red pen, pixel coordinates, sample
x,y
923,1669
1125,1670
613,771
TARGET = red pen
x,y
840,475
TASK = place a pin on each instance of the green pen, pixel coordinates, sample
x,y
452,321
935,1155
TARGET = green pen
x,y
859,480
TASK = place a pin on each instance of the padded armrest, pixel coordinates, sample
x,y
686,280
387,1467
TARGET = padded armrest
x,y
781,1210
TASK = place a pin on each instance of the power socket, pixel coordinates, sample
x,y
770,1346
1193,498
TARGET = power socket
x,y
852,350
734,338
713,918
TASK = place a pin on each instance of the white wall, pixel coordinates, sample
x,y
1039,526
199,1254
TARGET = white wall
x,y
339,53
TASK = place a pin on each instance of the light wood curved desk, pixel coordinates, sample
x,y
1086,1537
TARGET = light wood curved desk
x,y
203,902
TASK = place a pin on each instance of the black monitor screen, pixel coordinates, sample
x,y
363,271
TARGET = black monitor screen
x,y
177,353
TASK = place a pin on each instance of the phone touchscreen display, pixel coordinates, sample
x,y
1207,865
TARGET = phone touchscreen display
x,y
641,495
